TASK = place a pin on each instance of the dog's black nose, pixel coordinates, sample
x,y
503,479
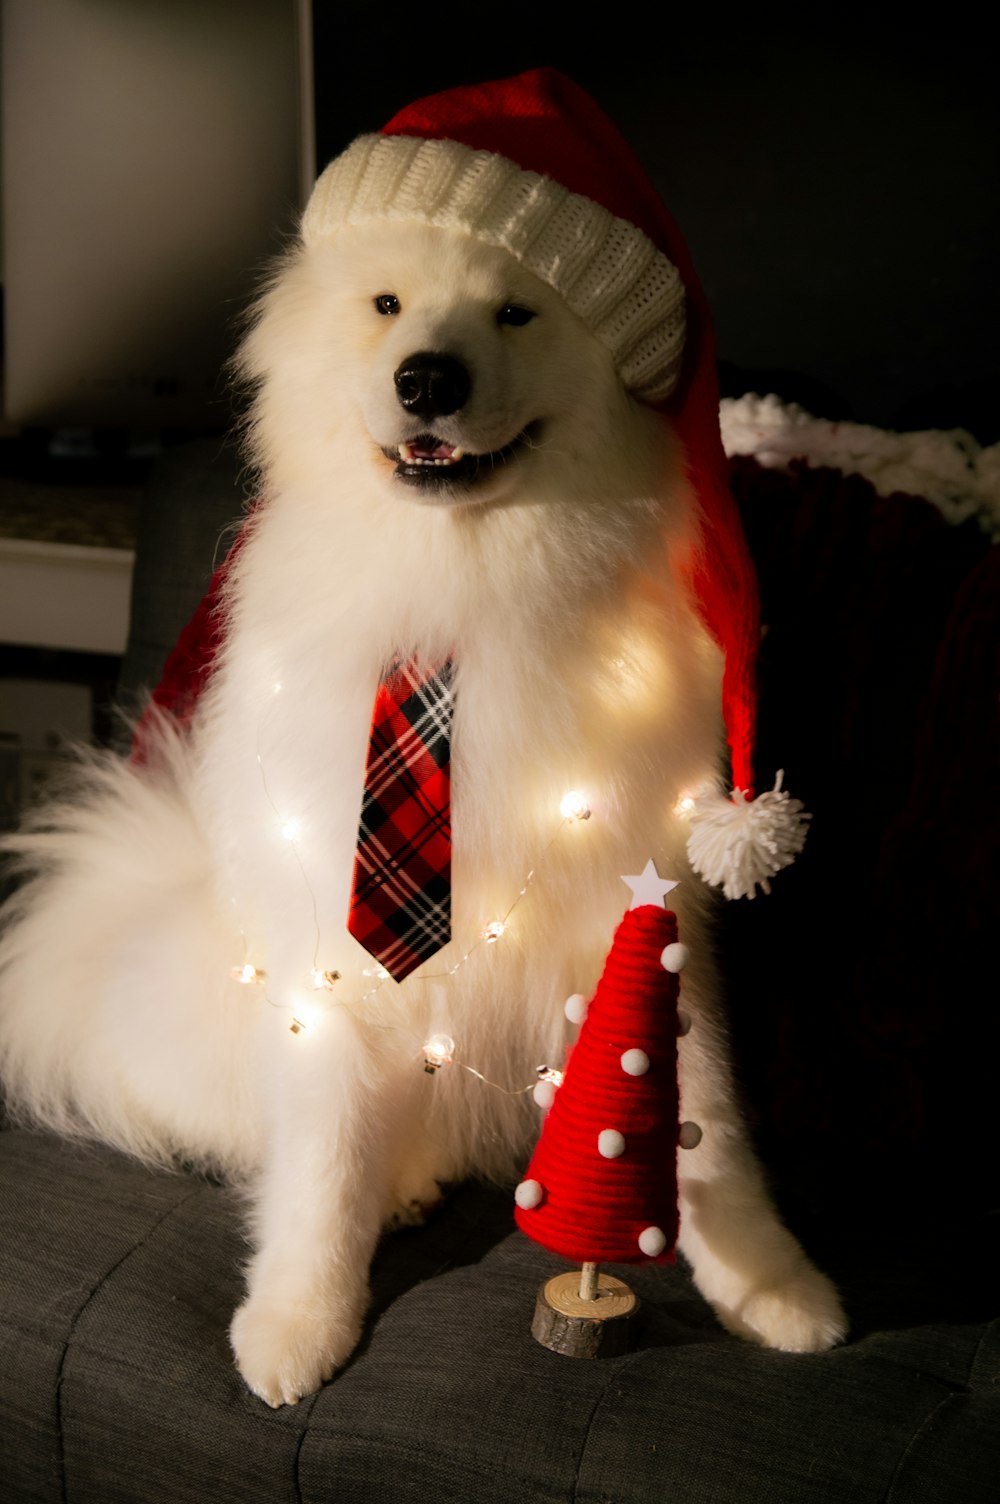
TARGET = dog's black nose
x,y
432,385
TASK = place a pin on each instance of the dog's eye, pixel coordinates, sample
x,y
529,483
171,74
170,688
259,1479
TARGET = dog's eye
x,y
513,313
387,303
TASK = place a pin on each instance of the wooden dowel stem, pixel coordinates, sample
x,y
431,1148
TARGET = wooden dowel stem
x,y
588,1282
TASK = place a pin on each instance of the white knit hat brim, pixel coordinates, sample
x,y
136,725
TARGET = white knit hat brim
x,y
610,273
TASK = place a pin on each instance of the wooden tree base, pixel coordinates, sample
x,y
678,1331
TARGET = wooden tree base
x,y
567,1323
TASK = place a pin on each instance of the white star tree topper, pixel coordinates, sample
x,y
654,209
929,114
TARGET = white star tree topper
x,y
648,886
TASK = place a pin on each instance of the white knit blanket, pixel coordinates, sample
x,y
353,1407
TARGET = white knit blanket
x,y
947,467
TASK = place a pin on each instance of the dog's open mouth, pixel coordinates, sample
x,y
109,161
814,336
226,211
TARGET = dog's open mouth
x,y
428,461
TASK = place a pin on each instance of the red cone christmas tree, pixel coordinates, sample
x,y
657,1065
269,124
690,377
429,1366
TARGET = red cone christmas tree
x,y
602,1184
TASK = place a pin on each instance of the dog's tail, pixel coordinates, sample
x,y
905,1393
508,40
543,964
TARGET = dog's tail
x,y
92,867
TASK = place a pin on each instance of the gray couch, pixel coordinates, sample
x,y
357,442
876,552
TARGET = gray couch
x,y
871,1103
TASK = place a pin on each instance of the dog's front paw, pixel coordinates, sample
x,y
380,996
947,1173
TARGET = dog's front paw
x,y
802,1314
288,1350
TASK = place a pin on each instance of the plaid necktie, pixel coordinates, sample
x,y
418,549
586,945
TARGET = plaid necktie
x,y
401,895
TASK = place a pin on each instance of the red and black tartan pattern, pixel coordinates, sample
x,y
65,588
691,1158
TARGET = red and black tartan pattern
x,y
401,893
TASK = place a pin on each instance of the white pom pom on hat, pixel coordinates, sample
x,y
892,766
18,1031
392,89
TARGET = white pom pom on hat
x,y
740,843
532,164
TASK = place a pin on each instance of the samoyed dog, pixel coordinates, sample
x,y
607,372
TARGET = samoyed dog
x,y
451,466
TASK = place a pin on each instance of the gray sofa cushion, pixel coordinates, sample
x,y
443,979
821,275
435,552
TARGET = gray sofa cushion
x,y
117,1385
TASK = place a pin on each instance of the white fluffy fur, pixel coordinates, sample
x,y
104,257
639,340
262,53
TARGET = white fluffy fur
x,y
580,664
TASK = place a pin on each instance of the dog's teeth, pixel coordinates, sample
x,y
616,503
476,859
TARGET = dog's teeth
x,y
407,453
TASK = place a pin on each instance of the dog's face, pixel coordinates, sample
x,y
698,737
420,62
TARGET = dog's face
x,y
461,372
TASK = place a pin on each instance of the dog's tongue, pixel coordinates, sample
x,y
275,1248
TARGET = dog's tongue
x,y
428,448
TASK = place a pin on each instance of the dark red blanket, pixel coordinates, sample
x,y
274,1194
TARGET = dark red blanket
x,y
869,1039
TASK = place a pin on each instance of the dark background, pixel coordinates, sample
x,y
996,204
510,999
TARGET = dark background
x,y
834,171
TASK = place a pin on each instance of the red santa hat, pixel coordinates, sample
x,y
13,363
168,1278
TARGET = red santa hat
x,y
532,164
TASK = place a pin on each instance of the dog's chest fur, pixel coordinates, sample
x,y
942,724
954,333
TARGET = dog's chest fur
x,y
578,665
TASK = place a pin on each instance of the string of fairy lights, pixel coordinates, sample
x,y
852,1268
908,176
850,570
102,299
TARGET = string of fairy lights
x,y
439,1050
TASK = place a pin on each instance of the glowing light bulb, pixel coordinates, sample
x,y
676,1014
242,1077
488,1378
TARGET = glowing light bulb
x,y
549,1082
684,805
246,974
438,1051
305,1018
323,980
291,830
574,806
278,687
493,931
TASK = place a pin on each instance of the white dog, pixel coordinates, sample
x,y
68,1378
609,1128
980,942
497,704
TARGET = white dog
x,y
452,464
